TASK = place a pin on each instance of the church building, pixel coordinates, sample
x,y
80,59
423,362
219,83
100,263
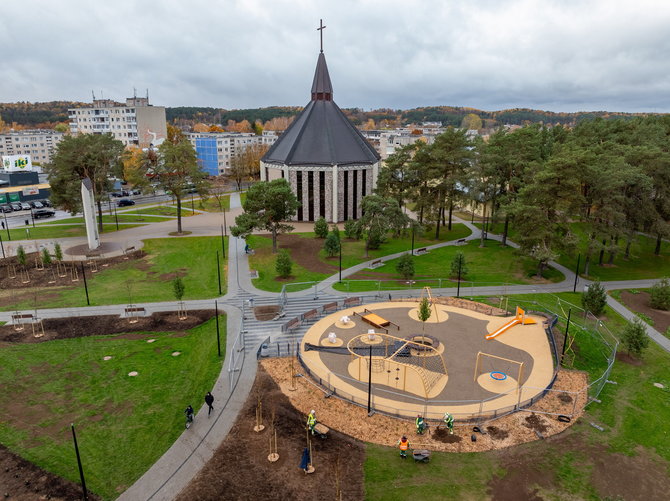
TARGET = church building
x,y
328,163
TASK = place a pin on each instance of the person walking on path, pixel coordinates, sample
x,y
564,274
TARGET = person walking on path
x,y
209,400
404,444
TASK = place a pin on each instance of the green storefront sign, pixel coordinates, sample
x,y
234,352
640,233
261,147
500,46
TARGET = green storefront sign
x,y
14,197
3,198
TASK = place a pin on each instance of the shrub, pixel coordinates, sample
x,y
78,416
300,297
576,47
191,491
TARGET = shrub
x,y
352,230
321,228
635,337
283,265
660,295
459,262
46,257
405,266
335,231
178,288
376,239
332,245
595,298
21,255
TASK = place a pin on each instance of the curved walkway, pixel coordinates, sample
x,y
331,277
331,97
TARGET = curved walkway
x,y
181,462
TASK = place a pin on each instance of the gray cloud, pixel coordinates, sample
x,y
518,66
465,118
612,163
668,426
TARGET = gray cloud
x,y
559,55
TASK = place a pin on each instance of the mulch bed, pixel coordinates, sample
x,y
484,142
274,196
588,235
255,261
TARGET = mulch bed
x,y
21,480
240,468
305,252
67,328
640,303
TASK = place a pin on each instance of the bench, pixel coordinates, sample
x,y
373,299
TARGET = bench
x,y
292,324
253,273
375,264
330,307
461,241
422,250
134,311
20,317
352,301
129,249
310,315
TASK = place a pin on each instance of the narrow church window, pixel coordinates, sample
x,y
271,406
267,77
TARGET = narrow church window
x,y
363,181
354,208
346,195
310,194
298,186
322,194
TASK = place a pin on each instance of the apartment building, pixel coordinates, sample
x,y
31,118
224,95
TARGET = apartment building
x,y
216,149
39,144
137,123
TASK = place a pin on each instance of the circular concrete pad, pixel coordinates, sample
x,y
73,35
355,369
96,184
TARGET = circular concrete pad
x,y
496,386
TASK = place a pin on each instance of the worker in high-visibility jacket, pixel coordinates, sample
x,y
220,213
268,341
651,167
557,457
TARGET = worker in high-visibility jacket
x,y
403,444
420,424
311,421
449,422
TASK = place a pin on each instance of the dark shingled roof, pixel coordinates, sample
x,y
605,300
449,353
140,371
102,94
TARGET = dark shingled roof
x,y
321,134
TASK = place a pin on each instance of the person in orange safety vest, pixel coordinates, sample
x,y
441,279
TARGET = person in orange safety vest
x,y
404,445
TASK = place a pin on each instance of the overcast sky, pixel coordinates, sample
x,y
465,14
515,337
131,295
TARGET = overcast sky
x,y
559,55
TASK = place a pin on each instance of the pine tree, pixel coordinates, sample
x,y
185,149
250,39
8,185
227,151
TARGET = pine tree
x,y
332,245
21,255
659,295
321,228
283,265
178,288
594,298
405,266
459,262
635,337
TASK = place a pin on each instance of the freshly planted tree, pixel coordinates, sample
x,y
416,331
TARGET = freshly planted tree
x,y
659,295
635,337
46,257
283,265
335,231
405,266
332,245
321,228
21,255
268,204
58,252
424,312
178,288
457,264
594,298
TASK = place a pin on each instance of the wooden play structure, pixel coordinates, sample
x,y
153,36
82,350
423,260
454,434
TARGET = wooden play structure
x,y
520,318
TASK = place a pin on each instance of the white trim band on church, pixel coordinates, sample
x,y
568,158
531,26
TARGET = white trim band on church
x,y
328,163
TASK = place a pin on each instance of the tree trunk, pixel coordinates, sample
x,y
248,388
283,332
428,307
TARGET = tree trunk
x,y
601,255
437,226
504,235
587,264
421,215
178,214
613,251
540,268
451,211
274,240
481,242
629,241
657,250
100,216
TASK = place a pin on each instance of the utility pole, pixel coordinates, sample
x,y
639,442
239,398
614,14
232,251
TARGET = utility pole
x,y
574,287
81,470
83,274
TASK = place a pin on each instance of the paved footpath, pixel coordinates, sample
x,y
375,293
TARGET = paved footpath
x,y
181,462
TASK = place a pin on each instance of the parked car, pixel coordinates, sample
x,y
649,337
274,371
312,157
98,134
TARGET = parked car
x,y
116,194
6,208
40,213
25,206
46,202
136,192
124,202
16,206
36,204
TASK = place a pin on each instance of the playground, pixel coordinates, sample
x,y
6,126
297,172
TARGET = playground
x,y
468,361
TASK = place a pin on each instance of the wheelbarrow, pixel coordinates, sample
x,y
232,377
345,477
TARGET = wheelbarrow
x,y
421,455
321,430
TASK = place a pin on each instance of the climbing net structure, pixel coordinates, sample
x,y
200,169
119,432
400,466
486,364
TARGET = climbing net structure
x,y
412,364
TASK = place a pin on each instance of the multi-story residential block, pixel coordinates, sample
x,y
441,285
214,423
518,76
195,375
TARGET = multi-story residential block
x,y
135,123
38,143
216,149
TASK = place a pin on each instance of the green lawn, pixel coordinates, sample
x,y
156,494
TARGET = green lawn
x,y
353,253
53,231
124,424
122,218
162,210
633,412
147,280
492,264
641,265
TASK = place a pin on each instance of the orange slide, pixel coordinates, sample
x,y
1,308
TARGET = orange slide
x,y
519,319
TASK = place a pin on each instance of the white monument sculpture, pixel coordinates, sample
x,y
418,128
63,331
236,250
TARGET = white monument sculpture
x,y
88,202
332,337
344,319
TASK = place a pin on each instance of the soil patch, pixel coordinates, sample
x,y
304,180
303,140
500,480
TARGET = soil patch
x,y
537,423
497,433
627,359
305,252
240,468
640,303
442,435
266,312
66,328
22,480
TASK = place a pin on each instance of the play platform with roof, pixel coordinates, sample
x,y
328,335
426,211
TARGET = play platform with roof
x,y
460,361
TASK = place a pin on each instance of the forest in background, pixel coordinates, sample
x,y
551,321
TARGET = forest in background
x,y
49,114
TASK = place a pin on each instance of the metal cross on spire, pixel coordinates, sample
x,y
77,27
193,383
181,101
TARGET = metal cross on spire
x,y
320,30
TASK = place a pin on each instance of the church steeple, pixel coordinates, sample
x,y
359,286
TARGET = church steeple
x,y
322,89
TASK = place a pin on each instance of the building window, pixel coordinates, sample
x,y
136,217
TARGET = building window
x,y
354,205
310,194
298,187
363,182
322,194
346,195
